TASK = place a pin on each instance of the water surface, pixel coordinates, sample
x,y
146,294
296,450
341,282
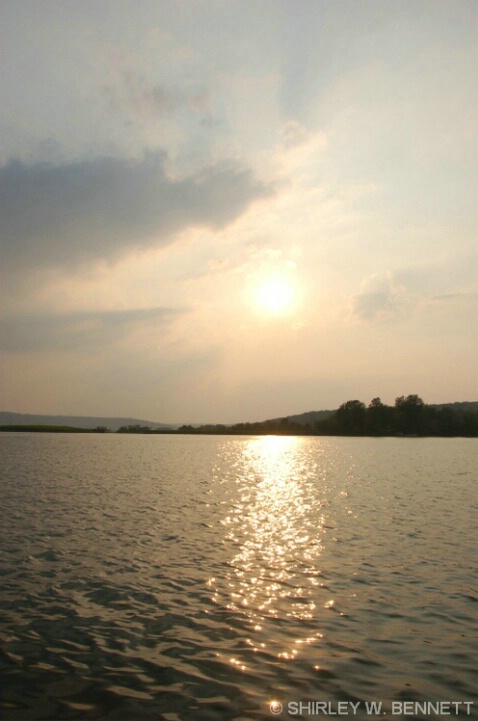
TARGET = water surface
x,y
189,578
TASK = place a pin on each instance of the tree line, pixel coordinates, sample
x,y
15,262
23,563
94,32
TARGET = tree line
x,y
409,416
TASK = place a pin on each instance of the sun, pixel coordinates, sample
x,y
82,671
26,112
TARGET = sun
x,y
274,295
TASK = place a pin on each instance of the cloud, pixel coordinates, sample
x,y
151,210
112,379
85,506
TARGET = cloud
x,y
380,296
455,297
134,95
62,215
77,331
294,134
446,281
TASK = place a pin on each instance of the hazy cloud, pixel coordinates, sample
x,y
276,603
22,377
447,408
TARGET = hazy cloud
x,y
59,215
448,280
134,95
380,296
73,331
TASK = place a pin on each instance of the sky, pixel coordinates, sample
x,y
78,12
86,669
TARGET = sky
x,y
215,211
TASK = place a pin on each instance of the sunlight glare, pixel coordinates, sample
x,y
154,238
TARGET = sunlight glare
x,y
274,295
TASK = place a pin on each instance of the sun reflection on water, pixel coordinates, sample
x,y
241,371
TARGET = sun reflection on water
x,y
274,531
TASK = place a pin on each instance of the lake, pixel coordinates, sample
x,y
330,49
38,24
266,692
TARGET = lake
x,y
222,578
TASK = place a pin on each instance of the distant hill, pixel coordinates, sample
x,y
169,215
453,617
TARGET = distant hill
x,y
307,418
304,419
457,406
310,417
112,424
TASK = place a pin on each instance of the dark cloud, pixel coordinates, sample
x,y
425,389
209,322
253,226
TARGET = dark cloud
x,y
61,215
73,331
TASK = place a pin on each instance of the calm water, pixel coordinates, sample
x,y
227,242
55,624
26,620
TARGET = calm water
x,y
182,577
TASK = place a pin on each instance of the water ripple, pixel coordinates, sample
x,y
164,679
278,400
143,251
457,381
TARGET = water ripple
x,y
200,578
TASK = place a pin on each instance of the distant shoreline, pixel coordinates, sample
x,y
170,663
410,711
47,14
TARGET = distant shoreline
x,y
47,429
229,432
409,417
